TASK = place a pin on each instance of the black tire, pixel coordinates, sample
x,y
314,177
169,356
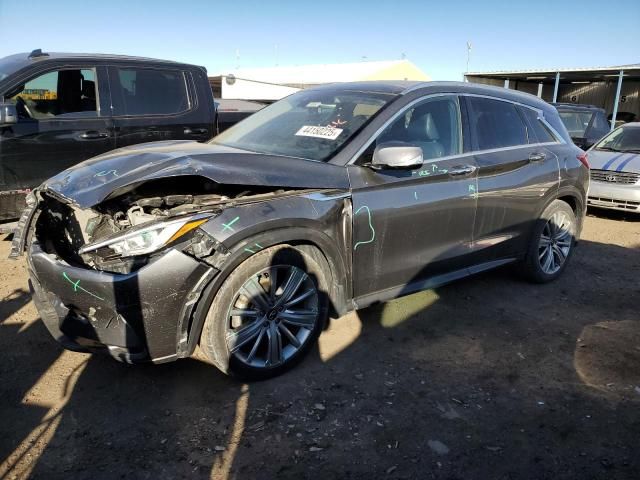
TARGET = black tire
x,y
218,326
536,265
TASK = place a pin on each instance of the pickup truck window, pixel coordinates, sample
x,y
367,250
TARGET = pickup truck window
x,y
140,91
55,94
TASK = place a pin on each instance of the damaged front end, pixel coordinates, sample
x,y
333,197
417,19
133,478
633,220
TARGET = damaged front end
x,y
125,275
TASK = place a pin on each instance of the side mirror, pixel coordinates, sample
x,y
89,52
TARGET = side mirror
x,y
390,155
8,114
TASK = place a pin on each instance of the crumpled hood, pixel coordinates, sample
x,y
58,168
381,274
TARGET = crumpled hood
x,y
114,173
614,161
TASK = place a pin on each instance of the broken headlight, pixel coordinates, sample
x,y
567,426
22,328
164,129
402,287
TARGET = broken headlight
x,y
147,238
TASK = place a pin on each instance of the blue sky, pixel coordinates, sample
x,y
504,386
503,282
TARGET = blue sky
x,y
504,35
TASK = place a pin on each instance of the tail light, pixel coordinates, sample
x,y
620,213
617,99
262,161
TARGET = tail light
x,y
584,160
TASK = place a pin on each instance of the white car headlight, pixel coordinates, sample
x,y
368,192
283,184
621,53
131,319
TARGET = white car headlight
x,y
147,238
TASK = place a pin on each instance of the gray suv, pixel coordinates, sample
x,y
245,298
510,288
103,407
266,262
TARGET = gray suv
x,y
330,200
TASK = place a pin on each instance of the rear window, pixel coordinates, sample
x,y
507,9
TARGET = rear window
x,y
496,124
141,91
576,122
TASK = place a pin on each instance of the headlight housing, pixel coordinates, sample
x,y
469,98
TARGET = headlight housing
x,y
147,238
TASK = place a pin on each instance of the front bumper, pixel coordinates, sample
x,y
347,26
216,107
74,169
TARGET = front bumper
x,y
140,316
616,197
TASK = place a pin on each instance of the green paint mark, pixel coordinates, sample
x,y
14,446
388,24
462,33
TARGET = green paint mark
x,y
227,226
415,195
104,173
373,232
443,170
253,251
434,167
472,189
76,286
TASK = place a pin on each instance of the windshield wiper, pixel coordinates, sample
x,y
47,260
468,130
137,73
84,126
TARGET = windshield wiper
x,y
631,150
608,149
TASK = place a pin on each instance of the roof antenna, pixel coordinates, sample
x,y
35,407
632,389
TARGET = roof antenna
x,y
38,53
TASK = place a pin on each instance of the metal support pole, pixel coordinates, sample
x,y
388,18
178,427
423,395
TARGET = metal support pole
x,y
540,85
617,100
555,87
506,83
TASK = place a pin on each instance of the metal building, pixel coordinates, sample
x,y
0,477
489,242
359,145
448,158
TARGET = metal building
x,y
616,89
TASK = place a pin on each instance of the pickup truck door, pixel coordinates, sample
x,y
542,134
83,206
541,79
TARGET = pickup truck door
x,y
413,227
64,118
160,103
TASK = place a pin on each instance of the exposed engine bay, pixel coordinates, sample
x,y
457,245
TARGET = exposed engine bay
x,y
153,201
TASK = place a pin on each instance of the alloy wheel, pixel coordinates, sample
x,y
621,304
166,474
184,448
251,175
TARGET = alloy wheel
x,y
555,243
272,316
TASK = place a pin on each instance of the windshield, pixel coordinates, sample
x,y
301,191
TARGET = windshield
x,y
576,122
311,124
9,65
621,140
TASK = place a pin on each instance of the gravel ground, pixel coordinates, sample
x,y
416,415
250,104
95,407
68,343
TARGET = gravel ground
x,y
488,378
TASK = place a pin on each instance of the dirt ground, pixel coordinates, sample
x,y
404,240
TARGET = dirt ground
x,y
488,378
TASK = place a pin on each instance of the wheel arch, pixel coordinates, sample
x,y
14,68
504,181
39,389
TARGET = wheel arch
x,y
303,237
572,196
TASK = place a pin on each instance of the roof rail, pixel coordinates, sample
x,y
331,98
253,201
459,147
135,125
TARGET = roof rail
x,y
38,53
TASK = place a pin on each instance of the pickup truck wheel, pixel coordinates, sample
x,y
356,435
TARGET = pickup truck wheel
x,y
267,314
551,244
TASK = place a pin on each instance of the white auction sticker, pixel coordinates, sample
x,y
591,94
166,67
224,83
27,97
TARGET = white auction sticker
x,y
329,133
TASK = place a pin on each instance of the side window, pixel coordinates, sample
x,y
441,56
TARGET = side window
x,y
433,125
141,91
496,124
538,132
56,94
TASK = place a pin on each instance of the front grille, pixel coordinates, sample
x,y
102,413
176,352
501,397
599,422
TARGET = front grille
x,y
613,203
607,176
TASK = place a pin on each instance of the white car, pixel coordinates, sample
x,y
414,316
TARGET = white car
x,y
615,170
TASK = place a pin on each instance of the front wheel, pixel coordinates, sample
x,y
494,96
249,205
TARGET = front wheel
x,y
267,313
551,244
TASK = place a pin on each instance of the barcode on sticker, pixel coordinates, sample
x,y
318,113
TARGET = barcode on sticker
x,y
329,133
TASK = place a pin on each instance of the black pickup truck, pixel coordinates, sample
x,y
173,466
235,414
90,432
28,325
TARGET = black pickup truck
x,y
57,109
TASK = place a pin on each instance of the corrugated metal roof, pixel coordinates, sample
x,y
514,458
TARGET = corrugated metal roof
x,y
632,66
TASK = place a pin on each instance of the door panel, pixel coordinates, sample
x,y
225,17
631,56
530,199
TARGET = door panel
x,y
408,226
511,190
154,104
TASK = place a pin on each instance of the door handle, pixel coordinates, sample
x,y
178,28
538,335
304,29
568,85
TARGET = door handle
x,y
194,131
92,135
537,157
462,170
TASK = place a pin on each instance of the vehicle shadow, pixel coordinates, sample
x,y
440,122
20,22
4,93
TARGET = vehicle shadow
x,y
618,215
476,379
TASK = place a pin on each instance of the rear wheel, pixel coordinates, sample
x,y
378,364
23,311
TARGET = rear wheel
x,y
551,244
267,314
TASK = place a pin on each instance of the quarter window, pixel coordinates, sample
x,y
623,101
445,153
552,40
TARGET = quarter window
x,y
539,132
150,92
497,124
433,125
55,94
